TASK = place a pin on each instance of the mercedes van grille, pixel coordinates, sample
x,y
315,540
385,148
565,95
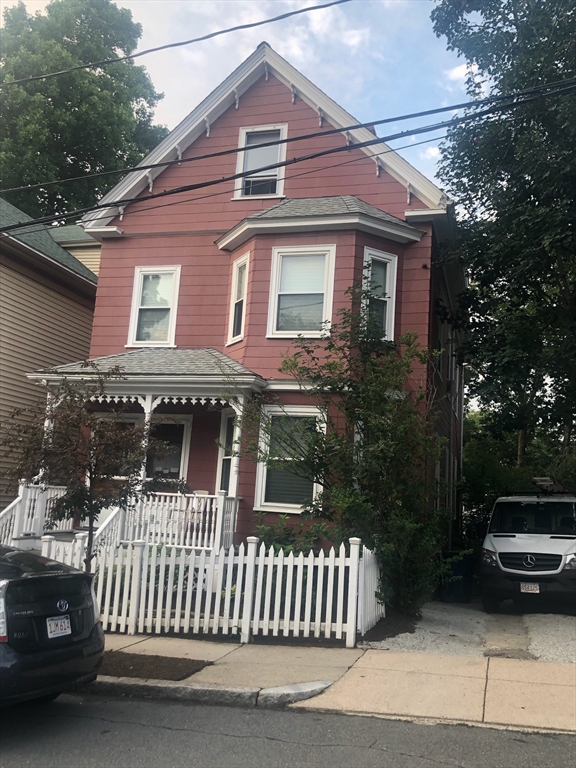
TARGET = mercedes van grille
x,y
529,561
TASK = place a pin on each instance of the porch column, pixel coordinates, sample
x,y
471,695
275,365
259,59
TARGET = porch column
x,y
238,405
148,404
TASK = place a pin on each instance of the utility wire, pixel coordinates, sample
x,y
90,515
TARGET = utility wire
x,y
355,126
209,36
42,227
345,148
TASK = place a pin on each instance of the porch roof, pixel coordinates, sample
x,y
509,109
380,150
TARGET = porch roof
x,y
158,368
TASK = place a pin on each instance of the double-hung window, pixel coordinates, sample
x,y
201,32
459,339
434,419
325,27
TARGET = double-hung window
x,y
301,290
238,299
284,437
154,300
261,150
381,277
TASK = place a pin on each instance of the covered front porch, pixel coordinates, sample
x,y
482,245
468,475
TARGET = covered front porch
x,y
188,399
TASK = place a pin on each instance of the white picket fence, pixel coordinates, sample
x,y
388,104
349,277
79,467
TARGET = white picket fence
x,y
67,552
242,591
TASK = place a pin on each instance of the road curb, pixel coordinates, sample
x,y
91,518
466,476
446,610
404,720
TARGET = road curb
x,y
235,696
230,696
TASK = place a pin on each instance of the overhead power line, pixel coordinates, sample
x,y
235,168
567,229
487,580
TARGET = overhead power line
x,y
322,153
355,126
105,62
31,227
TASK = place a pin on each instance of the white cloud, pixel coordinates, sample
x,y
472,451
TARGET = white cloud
x,y
431,153
457,73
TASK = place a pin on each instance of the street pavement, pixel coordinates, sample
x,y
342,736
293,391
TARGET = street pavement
x,y
93,732
437,687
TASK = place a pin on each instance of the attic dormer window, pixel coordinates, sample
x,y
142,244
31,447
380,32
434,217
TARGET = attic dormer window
x,y
261,150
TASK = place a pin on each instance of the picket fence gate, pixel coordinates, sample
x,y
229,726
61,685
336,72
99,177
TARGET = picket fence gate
x,y
243,591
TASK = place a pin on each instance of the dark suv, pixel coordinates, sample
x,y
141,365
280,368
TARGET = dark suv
x,y
51,637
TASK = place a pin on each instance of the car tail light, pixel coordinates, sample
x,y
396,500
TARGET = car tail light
x,y
95,603
3,618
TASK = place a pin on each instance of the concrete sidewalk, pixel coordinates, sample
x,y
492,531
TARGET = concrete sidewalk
x,y
476,690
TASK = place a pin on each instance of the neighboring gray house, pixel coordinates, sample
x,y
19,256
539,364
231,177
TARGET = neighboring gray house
x,y
46,307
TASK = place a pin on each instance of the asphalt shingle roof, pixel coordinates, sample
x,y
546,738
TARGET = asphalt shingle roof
x,y
71,233
324,206
38,237
165,362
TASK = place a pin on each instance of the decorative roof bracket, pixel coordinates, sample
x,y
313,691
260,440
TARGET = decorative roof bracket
x,y
408,194
294,94
348,138
121,209
150,181
378,166
320,116
207,124
236,97
178,153
266,71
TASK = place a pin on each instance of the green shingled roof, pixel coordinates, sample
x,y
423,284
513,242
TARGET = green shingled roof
x,y
71,233
38,237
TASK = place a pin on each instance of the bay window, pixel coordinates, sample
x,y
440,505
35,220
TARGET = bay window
x,y
301,290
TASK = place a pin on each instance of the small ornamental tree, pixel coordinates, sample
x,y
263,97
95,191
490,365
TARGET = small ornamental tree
x,y
65,441
372,451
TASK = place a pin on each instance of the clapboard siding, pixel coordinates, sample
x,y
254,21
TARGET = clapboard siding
x,y
41,325
89,255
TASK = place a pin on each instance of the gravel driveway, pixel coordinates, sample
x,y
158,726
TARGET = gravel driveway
x,y
464,629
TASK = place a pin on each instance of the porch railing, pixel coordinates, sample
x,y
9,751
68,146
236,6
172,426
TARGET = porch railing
x,y
183,520
26,515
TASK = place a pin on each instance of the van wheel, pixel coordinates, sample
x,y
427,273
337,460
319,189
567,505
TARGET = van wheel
x,y
490,604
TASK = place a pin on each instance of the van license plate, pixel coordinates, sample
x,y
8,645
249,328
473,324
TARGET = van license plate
x,y
58,626
528,587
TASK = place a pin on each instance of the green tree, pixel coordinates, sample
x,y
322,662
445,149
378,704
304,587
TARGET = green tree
x,y
79,123
373,453
513,178
65,441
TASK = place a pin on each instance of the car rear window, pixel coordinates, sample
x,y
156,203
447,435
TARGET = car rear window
x,y
34,590
551,517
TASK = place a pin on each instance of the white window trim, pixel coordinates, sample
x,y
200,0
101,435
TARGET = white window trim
x,y
235,268
226,414
326,250
164,418
284,410
392,260
283,128
139,273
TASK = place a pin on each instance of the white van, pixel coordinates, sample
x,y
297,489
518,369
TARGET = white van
x,y
530,549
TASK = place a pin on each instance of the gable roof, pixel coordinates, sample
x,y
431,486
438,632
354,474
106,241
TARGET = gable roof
x,y
38,239
262,62
309,214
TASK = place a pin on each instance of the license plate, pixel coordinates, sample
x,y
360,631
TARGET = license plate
x,y
528,587
58,626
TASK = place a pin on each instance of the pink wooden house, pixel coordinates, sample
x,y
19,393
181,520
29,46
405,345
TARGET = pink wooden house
x,y
211,285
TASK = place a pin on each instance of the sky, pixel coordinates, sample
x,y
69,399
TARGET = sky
x,y
376,58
